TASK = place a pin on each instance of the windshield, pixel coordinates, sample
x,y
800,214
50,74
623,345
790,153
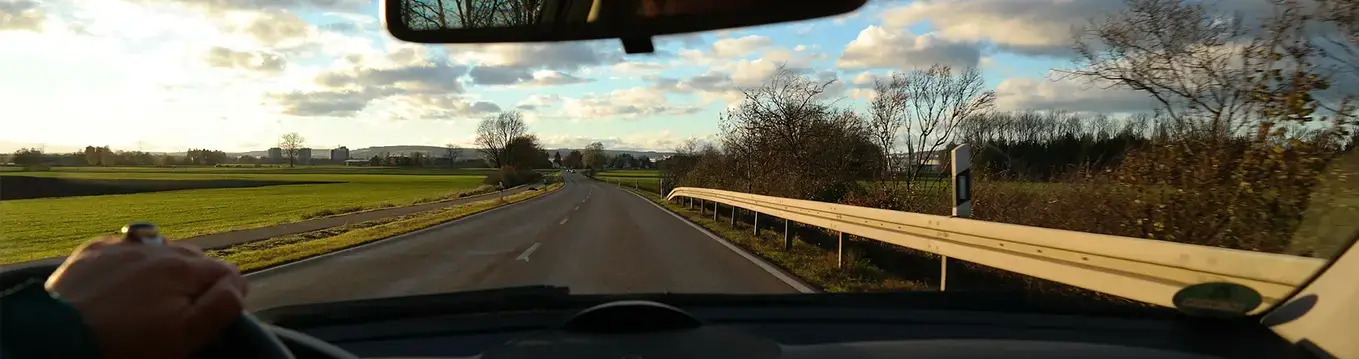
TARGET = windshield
x,y
300,140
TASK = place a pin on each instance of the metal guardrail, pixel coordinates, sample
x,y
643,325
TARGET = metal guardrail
x,y
1145,270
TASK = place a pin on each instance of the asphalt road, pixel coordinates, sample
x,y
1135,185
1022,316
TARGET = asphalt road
x,y
589,236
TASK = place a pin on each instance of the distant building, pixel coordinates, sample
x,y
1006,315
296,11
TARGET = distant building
x,y
339,154
304,156
930,161
275,155
356,162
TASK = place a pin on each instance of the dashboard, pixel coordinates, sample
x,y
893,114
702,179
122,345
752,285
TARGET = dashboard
x,y
639,330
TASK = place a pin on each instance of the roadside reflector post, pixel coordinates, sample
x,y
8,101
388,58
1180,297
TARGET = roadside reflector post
x,y
756,223
962,181
733,216
840,252
787,234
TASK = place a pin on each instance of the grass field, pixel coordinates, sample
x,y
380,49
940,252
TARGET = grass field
x,y
46,227
272,170
649,180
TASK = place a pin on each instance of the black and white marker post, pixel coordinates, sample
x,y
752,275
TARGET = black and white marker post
x,y
962,197
962,181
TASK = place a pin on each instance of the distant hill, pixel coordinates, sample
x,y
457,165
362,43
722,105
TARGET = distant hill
x,y
436,151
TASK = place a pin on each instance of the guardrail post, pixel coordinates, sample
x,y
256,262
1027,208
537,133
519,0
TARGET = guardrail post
x,y
700,207
787,234
733,216
943,272
756,223
962,181
715,204
840,252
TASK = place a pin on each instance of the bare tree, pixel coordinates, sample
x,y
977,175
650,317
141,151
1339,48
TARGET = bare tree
x,y
1180,53
494,134
452,152
935,103
886,117
291,143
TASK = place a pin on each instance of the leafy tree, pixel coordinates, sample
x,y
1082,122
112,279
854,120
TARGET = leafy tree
x,y
575,159
557,158
593,156
167,160
522,152
27,157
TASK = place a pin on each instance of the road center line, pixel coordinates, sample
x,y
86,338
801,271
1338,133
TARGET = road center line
x,y
564,220
577,208
525,256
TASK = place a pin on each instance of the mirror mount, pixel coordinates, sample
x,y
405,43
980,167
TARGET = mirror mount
x,y
638,45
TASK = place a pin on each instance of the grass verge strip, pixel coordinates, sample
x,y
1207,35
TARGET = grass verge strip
x,y
814,265
275,251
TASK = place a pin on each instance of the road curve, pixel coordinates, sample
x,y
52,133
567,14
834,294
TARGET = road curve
x,y
589,236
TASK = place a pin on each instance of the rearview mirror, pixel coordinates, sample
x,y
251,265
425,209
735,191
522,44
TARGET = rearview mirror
x,y
633,21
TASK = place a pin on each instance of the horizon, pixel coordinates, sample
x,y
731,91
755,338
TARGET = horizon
x,y
320,149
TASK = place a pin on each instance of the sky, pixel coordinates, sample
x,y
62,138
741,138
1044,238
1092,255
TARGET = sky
x,y
234,75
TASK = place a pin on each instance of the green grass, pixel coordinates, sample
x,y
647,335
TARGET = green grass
x,y
814,265
278,250
631,173
324,169
649,180
47,227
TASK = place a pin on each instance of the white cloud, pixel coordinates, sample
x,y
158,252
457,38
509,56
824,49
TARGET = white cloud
x,y
22,15
437,107
1031,27
246,60
538,101
567,56
1042,94
626,103
740,47
863,79
633,67
878,47
862,94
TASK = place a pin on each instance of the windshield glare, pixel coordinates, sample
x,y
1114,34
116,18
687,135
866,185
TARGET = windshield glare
x,y
278,133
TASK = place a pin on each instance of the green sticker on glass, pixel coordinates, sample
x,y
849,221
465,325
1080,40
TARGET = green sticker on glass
x,y
1217,299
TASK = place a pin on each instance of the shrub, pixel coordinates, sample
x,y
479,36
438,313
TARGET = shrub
x,y
511,176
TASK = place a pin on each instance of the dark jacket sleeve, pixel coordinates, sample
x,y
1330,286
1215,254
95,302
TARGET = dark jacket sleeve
x,y
34,325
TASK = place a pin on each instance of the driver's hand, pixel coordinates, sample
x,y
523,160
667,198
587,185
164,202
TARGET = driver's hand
x,y
149,301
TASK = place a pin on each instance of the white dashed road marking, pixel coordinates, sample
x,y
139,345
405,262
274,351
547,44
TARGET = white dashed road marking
x,y
525,256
